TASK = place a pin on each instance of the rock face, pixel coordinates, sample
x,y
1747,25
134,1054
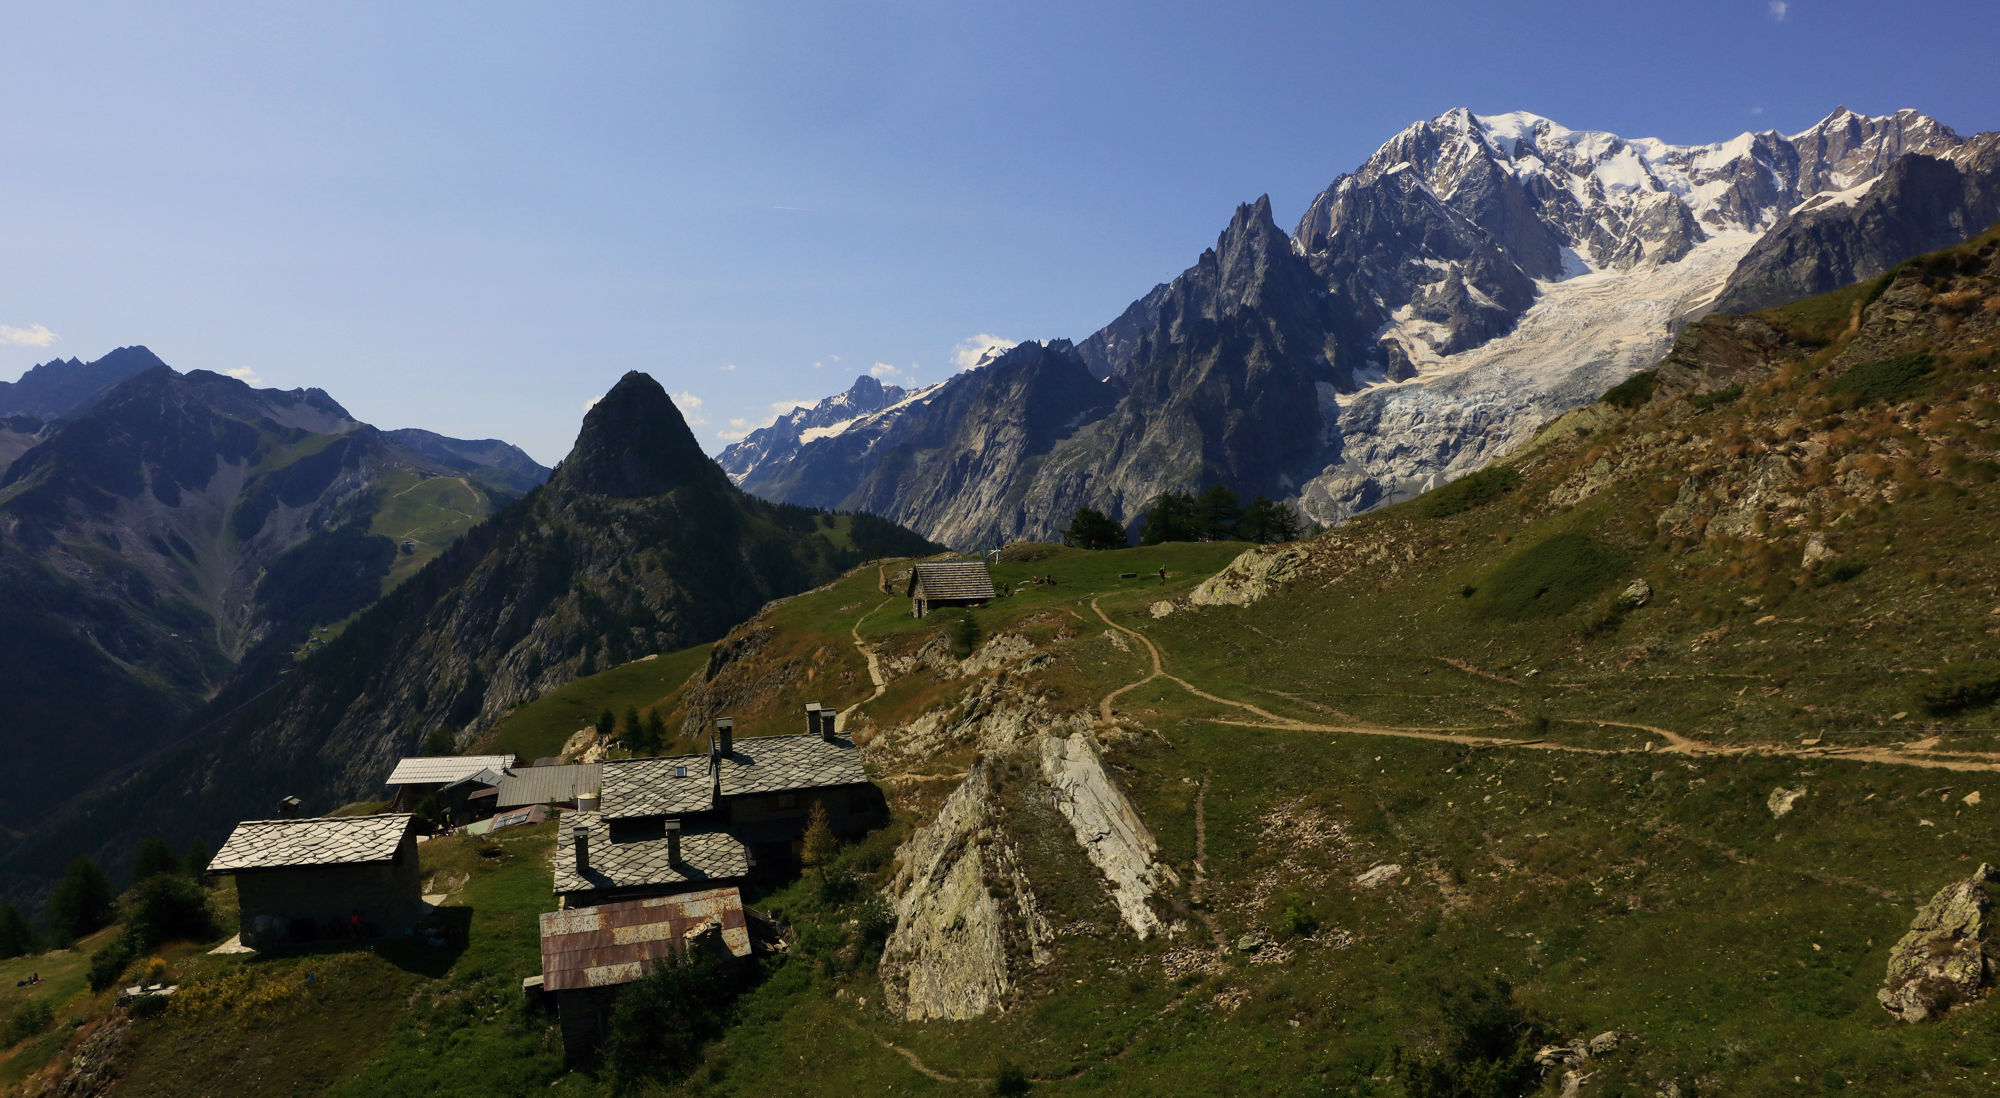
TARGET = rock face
x,y
1251,576
1948,957
830,417
64,387
1107,827
947,956
1477,276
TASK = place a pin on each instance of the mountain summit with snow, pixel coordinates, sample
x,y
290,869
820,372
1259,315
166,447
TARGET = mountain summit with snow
x,y
1475,276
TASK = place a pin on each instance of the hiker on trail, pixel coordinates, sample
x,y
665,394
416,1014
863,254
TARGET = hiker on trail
x,y
1163,573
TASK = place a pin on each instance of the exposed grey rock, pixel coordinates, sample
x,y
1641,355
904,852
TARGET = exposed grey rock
x,y
1816,552
947,956
1379,875
1947,958
1251,576
1781,800
1107,827
1636,594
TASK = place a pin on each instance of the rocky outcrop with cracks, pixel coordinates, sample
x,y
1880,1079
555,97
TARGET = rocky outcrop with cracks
x,y
1948,956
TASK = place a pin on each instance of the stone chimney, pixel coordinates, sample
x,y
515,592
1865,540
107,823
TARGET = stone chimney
x,y
673,842
580,834
827,719
288,808
812,718
725,733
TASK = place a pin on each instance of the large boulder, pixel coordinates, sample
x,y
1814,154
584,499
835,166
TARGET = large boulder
x,y
1948,957
1252,576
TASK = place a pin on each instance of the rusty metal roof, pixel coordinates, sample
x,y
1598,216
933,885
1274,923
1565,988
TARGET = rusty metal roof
x,y
613,944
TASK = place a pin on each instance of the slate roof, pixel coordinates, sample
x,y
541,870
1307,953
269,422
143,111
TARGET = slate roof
x,y
617,943
445,769
705,856
341,840
774,764
649,787
548,784
951,579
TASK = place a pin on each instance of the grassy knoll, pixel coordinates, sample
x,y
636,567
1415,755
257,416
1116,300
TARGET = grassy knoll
x,y
540,727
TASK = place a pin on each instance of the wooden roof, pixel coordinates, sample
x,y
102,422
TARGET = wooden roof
x,y
613,944
951,579
327,840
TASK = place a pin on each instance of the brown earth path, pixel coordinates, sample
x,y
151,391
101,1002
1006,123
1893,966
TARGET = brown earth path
x,y
1676,743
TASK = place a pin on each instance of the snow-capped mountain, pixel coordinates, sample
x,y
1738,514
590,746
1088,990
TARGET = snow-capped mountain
x,y
1475,276
829,417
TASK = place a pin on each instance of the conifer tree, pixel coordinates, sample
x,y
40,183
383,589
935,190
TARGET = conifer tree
x,y
82,901
16,936
153,859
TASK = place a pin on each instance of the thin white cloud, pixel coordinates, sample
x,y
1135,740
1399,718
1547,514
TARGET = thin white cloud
x,y
591,403
819,365
743,425
727,367
245,374
836,358
1754,111
975,347
1780,9
34,335
690,406
883,370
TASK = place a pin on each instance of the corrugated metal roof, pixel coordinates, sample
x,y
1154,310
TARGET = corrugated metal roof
x,y
548,784
485,778
951,579
333,840
444,769
706,856
656,787
612,944
775,764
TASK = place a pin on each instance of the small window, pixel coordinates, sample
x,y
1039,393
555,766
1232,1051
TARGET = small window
x,y
680,771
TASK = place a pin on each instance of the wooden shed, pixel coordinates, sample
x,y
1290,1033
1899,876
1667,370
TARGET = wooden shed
x,y
935,583
324,879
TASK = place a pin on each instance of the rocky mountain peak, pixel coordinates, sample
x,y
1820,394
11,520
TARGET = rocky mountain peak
x,y
61,387
634,442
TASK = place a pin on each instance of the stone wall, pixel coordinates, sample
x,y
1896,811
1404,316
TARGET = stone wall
x,y
388,895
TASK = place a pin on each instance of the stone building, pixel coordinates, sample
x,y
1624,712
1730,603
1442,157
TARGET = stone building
x,y
936,583
686,822
330,878
415,779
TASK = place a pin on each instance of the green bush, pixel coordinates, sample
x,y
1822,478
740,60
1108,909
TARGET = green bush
x,y
660,1022
33,1017
1704,401
1884,378
1957,687
108,965
1547,578
965,634
1480,1044
167,909
1465,493
1633,391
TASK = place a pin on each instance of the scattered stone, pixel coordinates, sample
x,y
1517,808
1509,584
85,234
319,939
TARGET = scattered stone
x,y
1607,1042
1782,799
1161,609
1379,875
1816,553
1252,942
1948,956
1971,798
1636,594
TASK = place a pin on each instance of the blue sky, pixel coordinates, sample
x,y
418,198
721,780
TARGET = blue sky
x,y
474,218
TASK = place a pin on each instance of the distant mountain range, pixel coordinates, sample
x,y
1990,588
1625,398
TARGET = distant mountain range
x,y
637,544
158,529
1477,275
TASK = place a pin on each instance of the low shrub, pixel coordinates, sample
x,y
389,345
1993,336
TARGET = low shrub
x,y
1957,687
1465,493
33,1017
1884,378
1634,390
1547,578
1702,402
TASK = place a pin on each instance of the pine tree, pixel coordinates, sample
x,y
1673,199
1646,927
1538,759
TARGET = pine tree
x,y
16,936
1091,528
1221,512
153,859
1175,516
820,844
606,725
82,901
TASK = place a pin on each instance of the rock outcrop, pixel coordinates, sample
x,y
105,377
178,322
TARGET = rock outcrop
x,y
1948,957
1107,827
1251,576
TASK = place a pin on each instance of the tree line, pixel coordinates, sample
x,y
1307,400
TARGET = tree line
x,y
1217,514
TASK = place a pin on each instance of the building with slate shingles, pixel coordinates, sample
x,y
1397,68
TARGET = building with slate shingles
x,y
935,583
329,878
686,822
588,952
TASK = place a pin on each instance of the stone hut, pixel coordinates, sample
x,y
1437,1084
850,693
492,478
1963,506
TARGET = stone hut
x,y
330,878
688,822
936,583
587,952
